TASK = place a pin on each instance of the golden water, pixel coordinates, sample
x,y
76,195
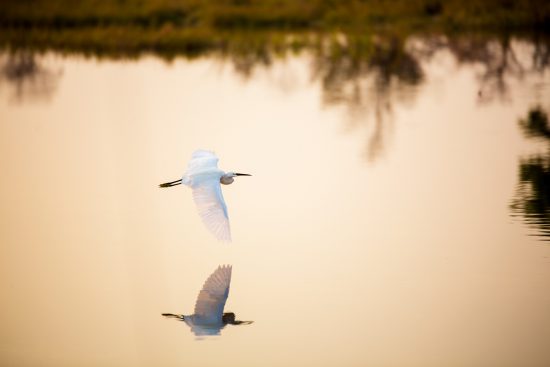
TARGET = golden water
x,y
371,234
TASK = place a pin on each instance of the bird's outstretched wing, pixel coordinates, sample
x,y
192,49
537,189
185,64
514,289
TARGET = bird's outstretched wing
x,y
212,297
201,164
203,176
212,209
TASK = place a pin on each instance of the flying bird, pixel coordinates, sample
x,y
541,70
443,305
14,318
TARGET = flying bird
x,y
209,317
204,177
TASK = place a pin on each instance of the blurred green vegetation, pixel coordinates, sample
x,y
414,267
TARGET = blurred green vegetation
x,y
193,27
318,14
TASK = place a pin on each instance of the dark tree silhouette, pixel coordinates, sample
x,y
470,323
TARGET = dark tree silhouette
x,y
532,199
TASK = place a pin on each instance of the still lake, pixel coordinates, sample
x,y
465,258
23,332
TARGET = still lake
x,y
397,214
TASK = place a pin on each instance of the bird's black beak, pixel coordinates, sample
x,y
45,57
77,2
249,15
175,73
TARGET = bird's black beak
x,y
242,174
237,322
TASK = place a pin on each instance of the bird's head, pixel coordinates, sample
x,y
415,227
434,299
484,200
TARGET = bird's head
x,y
229,318
228,179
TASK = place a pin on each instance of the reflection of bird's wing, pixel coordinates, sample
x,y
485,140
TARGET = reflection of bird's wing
x,y
211,206
212,297
206,330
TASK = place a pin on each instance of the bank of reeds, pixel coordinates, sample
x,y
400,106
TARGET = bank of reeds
x,y
193,27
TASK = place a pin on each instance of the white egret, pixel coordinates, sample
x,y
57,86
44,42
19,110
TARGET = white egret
x,y
209,317
204,177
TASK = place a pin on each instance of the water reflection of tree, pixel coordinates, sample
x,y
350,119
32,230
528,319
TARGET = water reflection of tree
x,y
367,75
501,61
28,78
249,51
541,54
370,75
498,59
532,199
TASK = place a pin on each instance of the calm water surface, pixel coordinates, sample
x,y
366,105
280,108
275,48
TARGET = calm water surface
x,y
396,216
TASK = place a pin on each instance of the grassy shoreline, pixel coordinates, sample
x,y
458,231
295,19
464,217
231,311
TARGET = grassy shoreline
x,y
275,14
128,28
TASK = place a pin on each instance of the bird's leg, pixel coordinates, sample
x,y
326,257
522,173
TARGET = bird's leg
x,y
169,184
180,317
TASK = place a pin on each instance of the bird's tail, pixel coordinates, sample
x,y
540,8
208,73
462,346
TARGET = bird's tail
x,y
170,184
174,316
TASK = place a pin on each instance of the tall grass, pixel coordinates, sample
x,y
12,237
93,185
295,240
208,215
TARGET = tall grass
x,y
223,14
192,27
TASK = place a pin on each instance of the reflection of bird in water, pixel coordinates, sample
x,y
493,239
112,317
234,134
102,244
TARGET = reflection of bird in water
x,y
204,177
209,317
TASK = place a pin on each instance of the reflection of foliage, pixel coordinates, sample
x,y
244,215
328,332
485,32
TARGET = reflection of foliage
x,y
541,54
533,192
248,51
367,75
27,76
536,124
500,59
384,60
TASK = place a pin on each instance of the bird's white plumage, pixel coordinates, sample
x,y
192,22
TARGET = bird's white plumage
x,y
208,318
201,330
212,209
202,165
203,176
211,299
